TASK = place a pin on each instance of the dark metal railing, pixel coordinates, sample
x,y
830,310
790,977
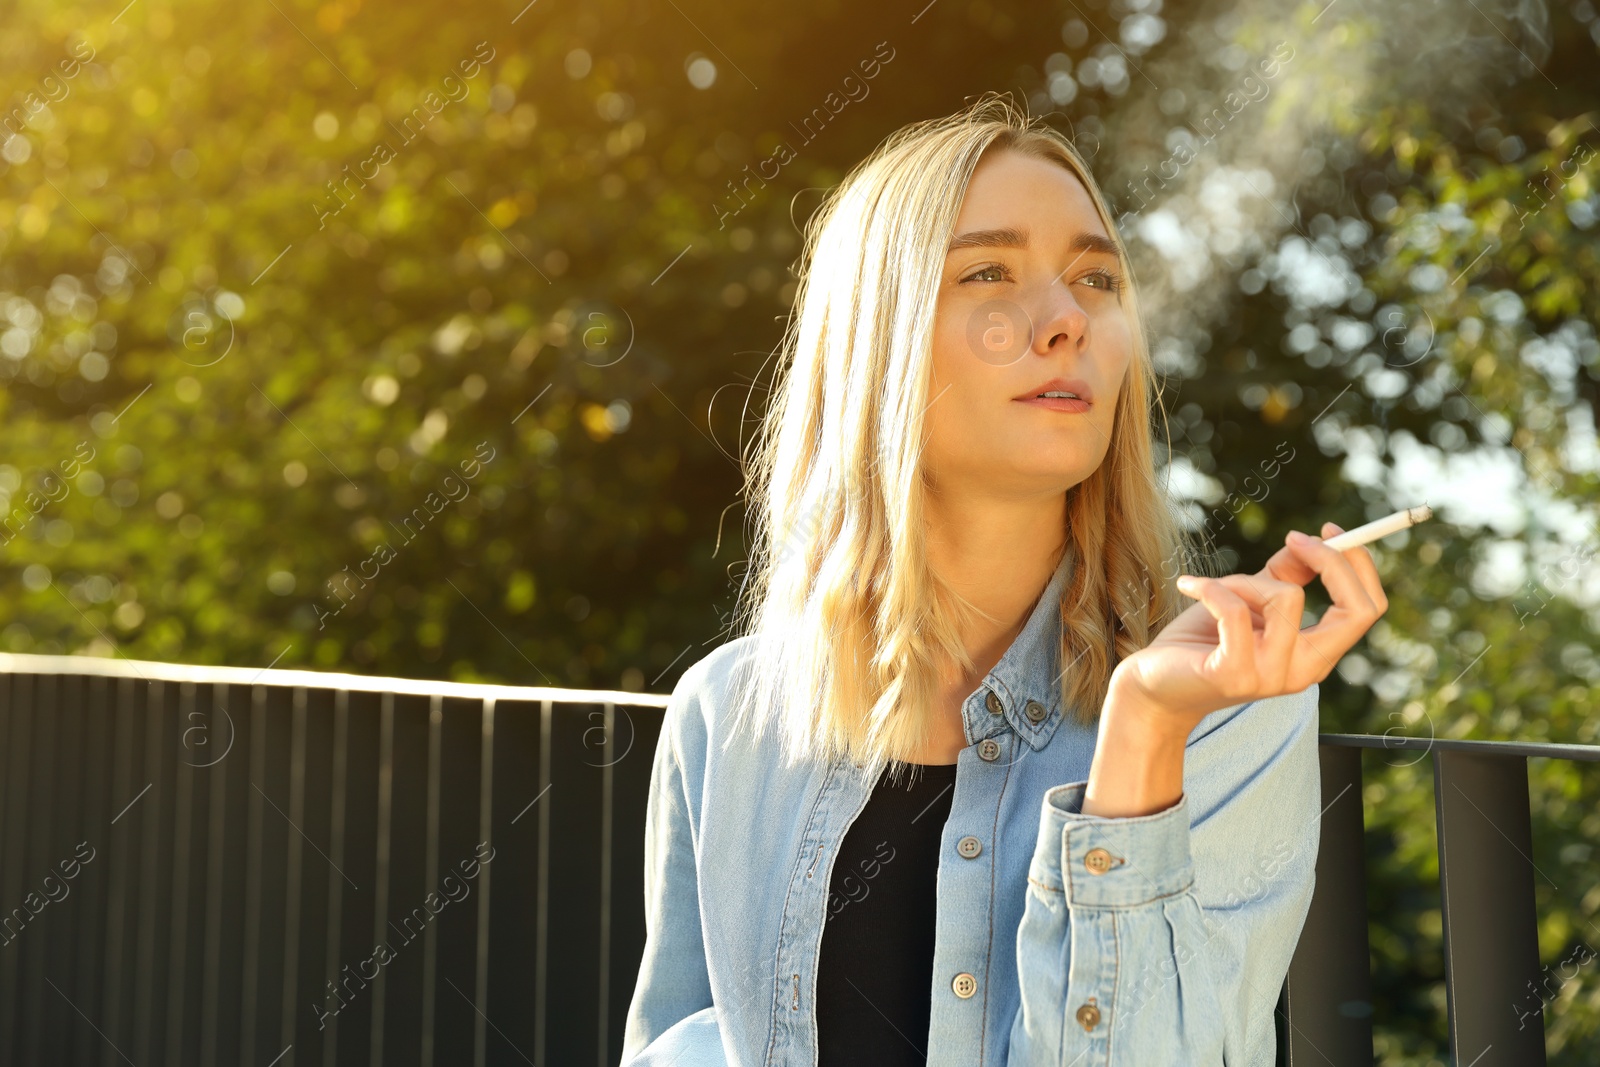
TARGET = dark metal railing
x,y
211,865
215,866
1491,943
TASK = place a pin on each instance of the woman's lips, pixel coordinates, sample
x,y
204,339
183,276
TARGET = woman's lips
x,y
1056,403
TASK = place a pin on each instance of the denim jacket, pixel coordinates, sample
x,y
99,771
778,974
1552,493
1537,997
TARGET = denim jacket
x,y
1150,941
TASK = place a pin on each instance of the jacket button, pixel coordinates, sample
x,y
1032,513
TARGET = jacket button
x,y
1098,860
992,702
969,846
964,985
1089,1016
988,750
1036,711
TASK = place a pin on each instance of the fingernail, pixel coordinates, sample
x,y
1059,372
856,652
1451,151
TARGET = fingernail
x,y
1297,537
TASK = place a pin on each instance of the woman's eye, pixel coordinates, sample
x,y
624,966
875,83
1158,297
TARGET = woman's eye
x,y
997,274
1111,283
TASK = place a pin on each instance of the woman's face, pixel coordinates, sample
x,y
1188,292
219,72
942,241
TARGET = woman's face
x,y
1029,302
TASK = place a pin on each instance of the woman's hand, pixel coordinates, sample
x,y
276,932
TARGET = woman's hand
x,y
1241,642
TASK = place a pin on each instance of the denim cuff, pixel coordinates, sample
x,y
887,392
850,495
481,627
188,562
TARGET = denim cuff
x,y
1103,862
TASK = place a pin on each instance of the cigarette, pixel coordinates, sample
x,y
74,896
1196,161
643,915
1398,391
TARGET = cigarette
x,y
1381,528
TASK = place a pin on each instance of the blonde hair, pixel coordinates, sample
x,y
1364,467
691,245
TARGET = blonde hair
x,y
851,626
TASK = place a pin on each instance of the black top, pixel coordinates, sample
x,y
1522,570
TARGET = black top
x,y
875,976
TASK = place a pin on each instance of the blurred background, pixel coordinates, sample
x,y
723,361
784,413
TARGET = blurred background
x,y
425,341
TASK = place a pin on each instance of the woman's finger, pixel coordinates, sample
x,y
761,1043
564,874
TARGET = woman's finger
x,y
1337,573
1286,604
1365,567
1352,613
1233,669
1285,566
1277,606
1257,620
1258,592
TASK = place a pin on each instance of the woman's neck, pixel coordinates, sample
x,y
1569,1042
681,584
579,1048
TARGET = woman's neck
x,y
998,553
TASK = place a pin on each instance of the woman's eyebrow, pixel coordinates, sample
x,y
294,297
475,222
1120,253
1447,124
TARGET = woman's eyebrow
x,y
1004,237
1011,237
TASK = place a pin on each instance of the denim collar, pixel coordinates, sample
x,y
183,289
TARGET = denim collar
x,y
1028,674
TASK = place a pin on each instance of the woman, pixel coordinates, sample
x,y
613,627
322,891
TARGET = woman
x,y
964,569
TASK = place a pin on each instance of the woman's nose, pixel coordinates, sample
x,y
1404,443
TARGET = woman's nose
x,y
1057,314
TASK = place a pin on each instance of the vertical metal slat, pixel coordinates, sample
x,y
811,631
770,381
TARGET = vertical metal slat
x,y
148,813
430,934
291,914
380,914
129,694
13,853
480,985
41,842
216,766
341,735
607,788
61,1006
1328,995
178,946
100,755
1491,936
252,877
542,893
